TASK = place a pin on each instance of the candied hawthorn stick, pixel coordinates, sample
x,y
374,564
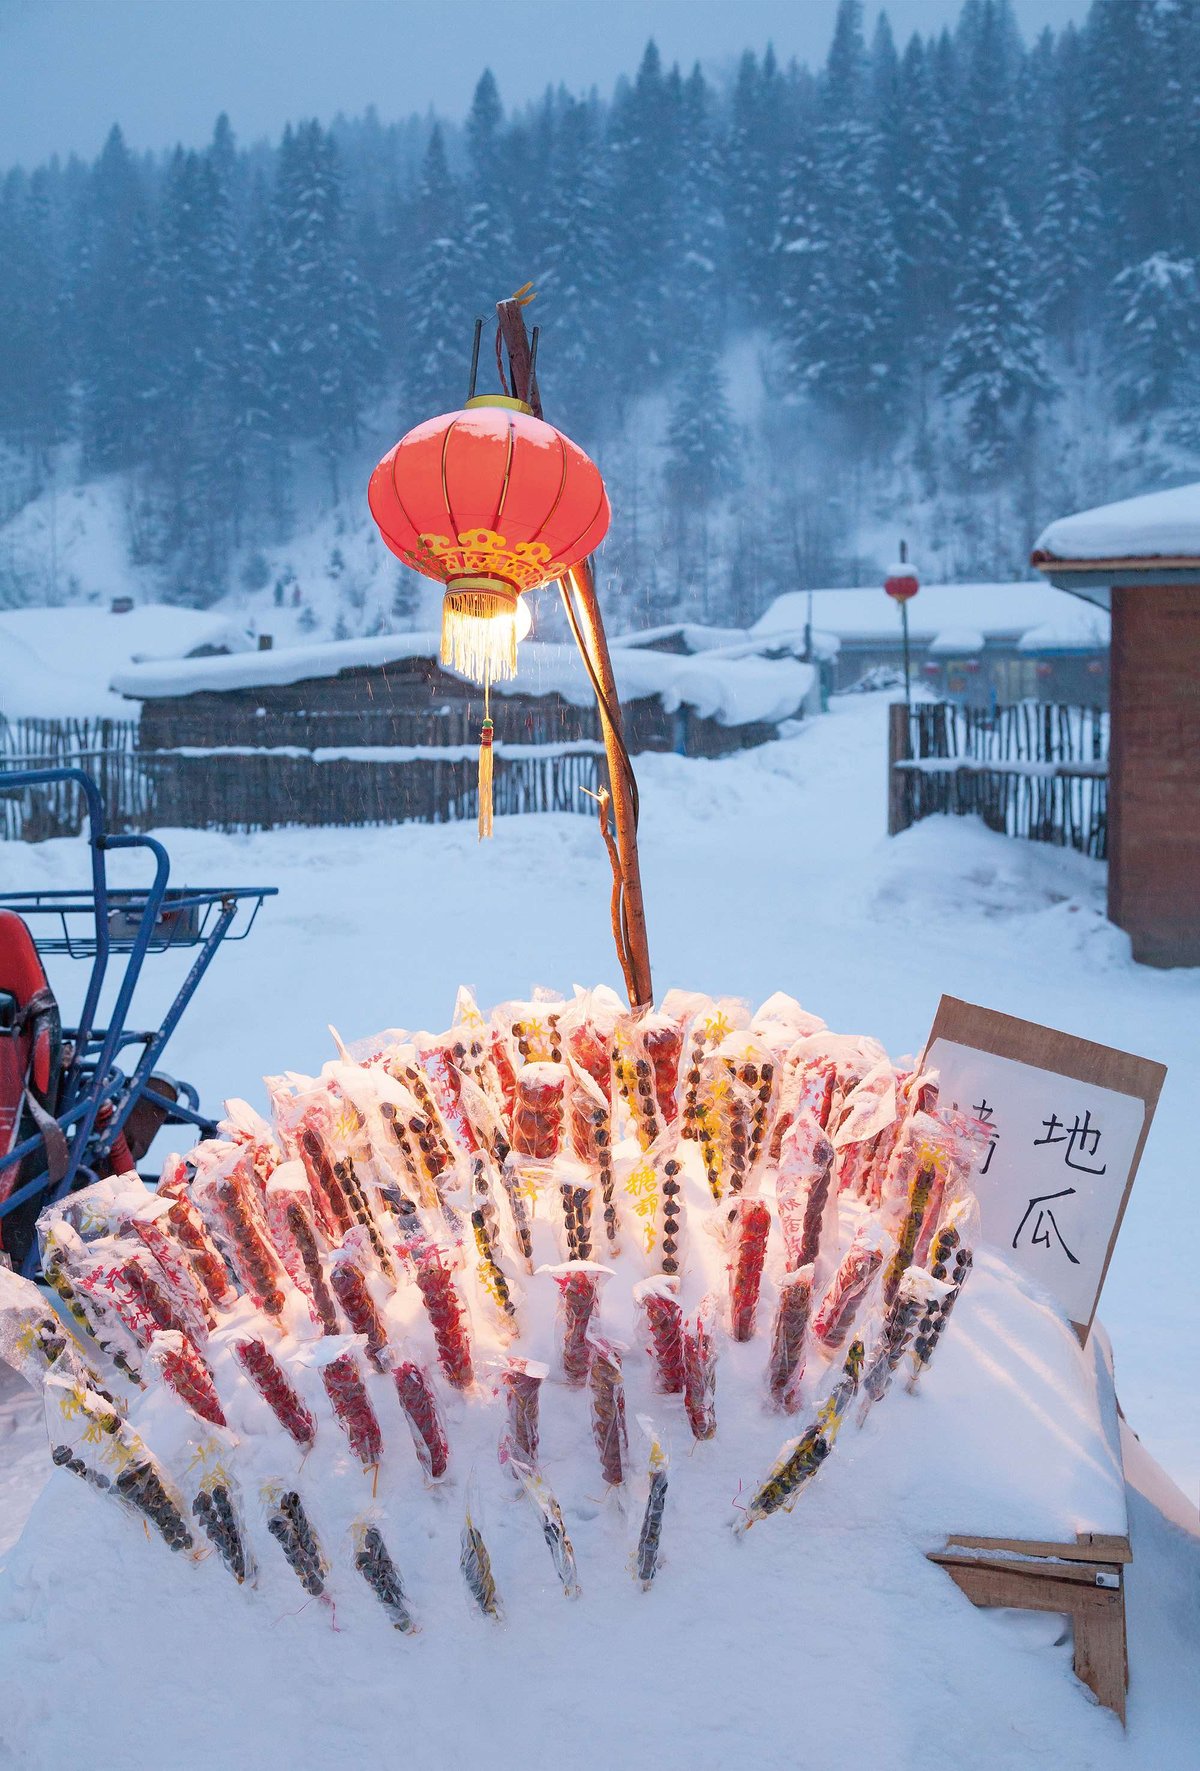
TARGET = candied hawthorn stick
x,y
554,1530
382,1576
446,1314
151,1225
256,1261
650,1535
577,1218
608,1410
486,1231
185,1371
328,1197
303,1235
348,1397
951,1263
292,1530
578,1292
917,1291
700,1375
522,1380
424,1418
142,1486
671,1194
201,1250
360,1211
835,1315
662,1040
663,1317
88,1317
538,1113
752,1227
152,1301
801,1458
476,1567
786,1366
350,1287
919,1196
519,1212
214,1508
276,1390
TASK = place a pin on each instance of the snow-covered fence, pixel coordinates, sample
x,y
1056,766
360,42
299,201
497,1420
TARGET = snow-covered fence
x,y
1029,770
240,788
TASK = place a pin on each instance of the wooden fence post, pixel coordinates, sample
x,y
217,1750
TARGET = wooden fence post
x,y
899,780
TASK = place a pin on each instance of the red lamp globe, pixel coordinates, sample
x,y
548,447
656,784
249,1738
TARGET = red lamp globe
x,y
491,502
902,583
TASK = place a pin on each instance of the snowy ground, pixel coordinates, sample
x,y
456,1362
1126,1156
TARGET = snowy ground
x,y
763,872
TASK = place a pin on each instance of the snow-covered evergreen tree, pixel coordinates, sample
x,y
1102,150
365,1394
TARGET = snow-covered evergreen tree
x,y
1154,333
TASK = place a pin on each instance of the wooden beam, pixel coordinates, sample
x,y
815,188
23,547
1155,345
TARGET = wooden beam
x,y
1089,1546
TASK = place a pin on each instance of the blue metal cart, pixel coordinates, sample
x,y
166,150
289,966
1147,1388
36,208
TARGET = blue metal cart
x,y
98,1092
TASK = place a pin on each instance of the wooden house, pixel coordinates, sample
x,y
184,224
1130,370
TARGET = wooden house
x,y
1140,560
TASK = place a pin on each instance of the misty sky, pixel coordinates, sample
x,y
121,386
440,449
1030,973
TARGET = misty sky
x,y
165,68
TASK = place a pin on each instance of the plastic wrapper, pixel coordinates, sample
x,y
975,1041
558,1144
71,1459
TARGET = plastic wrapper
x,y
191,1233
534,1028
751,1227
588,1027
661,1039
218,1510
446,1312
608,1409
801,1458
649,1544
485,1228
289,1524
554,1530
700,1373
424,1416
917,1295
89,1437
151,1224
436,1147
723,1122
522,1381
476,1567
788,1331
348,1398
291,1223
440,1057
229,1200
34,1340
658,1301
950,1262
804,1189
538,1113
635,1078
579,1285
592,1141
374,1563
834,1317
244,1126
130,1280
276,1389
349,1284
518,1209
920,1196
706,1024
64,1257
185,1372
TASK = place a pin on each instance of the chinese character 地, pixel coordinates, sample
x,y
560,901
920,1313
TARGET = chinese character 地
x,y
1081,1139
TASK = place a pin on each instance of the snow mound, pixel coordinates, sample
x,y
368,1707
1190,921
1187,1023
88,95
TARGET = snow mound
x,y
58,662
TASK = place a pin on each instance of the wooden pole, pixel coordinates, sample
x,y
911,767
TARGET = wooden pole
x,y
635,959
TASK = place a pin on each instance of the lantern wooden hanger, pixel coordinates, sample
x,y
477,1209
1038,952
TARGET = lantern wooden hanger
x,y
492,502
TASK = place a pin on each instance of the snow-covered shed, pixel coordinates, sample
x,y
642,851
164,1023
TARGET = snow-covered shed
x,y
969,641
58,662
1140,559
392,689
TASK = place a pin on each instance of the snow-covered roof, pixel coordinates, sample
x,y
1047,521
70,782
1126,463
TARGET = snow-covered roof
x,y
956,642
991,611
282,665
1157,526
733,691
695,638
59,662
1087,632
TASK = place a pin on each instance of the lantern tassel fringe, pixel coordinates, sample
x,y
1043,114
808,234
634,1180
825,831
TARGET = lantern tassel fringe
x,y
479,636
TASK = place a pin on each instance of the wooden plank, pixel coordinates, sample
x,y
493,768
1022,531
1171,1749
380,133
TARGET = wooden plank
x,y
1089,1546
1102,1655
1028,1588
1074,1573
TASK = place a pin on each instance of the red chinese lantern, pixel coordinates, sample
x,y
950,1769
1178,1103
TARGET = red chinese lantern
x,y
491,502
931,668
902,583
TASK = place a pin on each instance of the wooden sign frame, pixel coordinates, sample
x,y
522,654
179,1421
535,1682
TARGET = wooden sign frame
x,y
1062,1054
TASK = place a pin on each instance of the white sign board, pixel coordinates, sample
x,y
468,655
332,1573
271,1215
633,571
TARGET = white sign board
x,y
1067,1120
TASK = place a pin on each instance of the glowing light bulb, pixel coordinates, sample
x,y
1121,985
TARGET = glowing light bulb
x,y
524,620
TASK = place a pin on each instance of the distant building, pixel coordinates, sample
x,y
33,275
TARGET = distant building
x,y
974,643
